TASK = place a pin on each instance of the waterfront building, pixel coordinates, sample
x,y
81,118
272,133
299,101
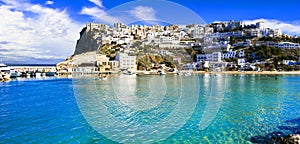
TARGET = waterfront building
x,y
214,57
126,62
230,54
104,64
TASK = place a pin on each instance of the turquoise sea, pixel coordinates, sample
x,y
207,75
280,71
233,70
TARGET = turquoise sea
x,y
206,108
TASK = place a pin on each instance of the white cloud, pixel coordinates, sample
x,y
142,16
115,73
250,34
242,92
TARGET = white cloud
x,y
99,15
287,28
46,34
94,11
97,2
49,2
144,13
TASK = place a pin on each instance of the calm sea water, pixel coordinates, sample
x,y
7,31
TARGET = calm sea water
x,y
196,109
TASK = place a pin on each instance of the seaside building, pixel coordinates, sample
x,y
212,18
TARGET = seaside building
x,y
229,54
214,57
104,64
126,62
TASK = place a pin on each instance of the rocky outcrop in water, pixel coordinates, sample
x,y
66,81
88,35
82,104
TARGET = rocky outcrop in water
x,y
4,77
281,137
290,139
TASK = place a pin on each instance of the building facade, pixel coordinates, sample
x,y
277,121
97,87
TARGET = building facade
x,y
126,62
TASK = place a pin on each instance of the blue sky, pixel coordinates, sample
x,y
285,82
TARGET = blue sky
x,y
41,31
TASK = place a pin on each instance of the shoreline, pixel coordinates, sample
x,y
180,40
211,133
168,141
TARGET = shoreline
x,y
252,72
231,72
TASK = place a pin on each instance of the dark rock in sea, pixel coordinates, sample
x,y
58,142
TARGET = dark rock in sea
x,y
290,139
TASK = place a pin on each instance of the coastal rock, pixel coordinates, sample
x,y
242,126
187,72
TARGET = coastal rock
x,y
290,139
88,41
4,77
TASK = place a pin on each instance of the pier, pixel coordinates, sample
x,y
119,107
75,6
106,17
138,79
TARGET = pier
x,y
32,70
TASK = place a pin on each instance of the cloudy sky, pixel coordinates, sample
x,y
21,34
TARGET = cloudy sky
x,y
41,31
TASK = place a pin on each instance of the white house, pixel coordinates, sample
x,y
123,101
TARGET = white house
x,y
288,45
241,54
126,62
229,54
169,40
241,62
214,57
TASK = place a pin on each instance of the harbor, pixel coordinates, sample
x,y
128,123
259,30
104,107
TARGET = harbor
x,y
8,72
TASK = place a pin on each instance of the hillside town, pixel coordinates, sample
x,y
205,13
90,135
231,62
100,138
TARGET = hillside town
x,y
219,46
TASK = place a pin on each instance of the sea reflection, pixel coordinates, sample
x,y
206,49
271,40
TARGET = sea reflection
x,y
131,109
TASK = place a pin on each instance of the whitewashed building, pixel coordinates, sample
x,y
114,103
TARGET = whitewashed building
x,y
214,57
229,54
126,62
288,45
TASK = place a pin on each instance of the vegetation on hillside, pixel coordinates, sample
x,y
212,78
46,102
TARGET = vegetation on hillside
x,y
148,62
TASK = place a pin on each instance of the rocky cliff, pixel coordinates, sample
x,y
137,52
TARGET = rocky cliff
x,y
88,41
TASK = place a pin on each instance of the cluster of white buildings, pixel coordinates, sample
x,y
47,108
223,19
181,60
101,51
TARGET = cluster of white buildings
x,y
93,63
218,56
213,36
241,29
284,45
163,36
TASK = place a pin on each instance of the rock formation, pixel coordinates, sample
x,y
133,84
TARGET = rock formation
x,y
89,40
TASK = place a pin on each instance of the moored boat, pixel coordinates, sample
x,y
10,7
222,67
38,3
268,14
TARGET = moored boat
x,y
50,73
37,74
103,77
162,73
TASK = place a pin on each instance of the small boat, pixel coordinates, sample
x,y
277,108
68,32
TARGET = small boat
x,y
187,73
129,72
179,73
14,75
102,77
162,73
50,73
37,74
